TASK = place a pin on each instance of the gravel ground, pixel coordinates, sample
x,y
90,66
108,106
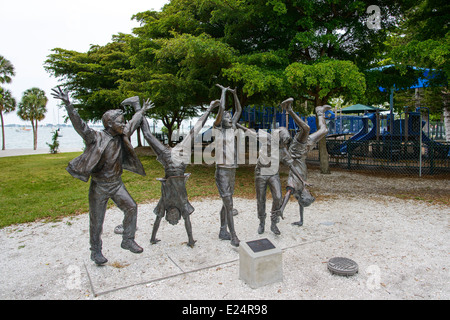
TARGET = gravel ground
x,y
394,228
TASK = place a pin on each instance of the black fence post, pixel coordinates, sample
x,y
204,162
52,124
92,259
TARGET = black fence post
x,y
431,156
349,154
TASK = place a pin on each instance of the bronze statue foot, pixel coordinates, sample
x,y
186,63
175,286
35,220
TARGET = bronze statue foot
x,y
275,229
224,234
118,229
235,241
154,241
191,243
261,228
131,245
98,258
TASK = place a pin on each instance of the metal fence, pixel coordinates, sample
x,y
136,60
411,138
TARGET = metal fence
x,y
411,157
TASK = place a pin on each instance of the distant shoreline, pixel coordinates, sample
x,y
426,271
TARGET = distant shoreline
x,y
27,152
63,125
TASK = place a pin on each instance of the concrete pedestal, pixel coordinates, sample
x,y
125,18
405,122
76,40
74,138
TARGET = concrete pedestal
x,y
260,263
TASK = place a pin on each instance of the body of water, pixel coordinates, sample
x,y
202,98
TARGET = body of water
x,y
22,138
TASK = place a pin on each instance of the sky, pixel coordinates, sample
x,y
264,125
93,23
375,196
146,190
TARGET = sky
x,y
30,29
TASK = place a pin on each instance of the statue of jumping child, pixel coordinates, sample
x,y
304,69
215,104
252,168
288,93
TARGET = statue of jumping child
x,y
107,153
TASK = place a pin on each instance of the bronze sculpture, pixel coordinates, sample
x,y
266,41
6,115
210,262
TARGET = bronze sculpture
x,y
107,153
174,202
298,149
225,126
267,173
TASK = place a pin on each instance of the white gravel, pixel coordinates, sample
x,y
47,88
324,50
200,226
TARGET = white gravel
x,y
401,247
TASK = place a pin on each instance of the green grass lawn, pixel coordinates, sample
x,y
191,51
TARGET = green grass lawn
x,y
39,187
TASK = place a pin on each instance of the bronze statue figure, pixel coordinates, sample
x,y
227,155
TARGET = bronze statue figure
x,y
225,174
174,202
107,153
298,149
267,173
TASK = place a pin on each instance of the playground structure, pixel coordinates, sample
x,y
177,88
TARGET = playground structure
x,y
375,139
269,118
377,127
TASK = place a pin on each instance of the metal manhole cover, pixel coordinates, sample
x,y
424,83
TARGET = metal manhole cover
x,y
342,266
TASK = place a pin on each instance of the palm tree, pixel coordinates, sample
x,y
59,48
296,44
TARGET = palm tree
x,y
7,104
6,70
32,107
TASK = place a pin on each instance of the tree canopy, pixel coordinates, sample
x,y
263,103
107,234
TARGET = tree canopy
x,y
178,55
6,70
269,49
93,76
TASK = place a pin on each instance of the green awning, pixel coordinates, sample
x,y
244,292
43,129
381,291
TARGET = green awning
x,y
360,108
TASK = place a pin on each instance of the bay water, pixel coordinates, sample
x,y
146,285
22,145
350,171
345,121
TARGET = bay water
x,y
22,137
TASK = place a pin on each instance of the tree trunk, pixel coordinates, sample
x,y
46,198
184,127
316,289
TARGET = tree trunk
x,y
323,156
34,125
169,135
446,113
169,125
447,123
3,131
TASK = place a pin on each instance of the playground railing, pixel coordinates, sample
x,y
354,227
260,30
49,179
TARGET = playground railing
x,y
410,157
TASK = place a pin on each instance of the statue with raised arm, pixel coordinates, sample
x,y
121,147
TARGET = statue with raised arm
x,y
174,202
301,144
107,153
225,126
267,173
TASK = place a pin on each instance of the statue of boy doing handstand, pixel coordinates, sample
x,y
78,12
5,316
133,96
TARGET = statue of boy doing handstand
x,y
107,153
174,202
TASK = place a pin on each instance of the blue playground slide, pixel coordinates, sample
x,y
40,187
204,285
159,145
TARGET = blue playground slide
x,y
440,151
362,135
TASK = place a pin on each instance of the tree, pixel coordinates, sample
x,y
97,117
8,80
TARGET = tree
x,y
7,104
262,42
54,146
423,40
309,50
32,107
322,81
6,70
177,55
178,73
92,77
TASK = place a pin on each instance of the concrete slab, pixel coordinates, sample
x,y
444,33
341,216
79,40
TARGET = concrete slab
x,y
260,263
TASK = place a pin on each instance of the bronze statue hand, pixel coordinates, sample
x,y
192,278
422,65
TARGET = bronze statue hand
x,y
222,87
232,90
148,104
214,104
60,94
